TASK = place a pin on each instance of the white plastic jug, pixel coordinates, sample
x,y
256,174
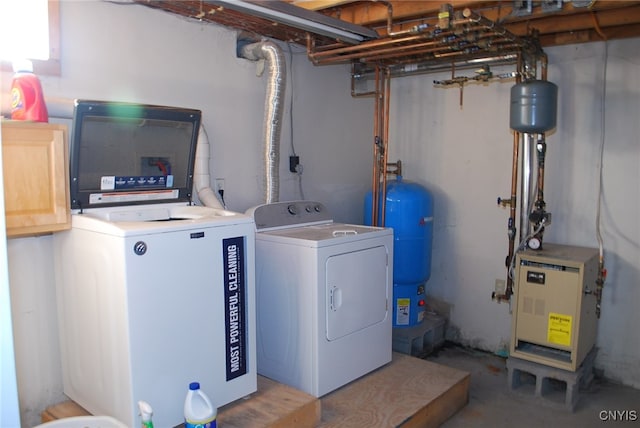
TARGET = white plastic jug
x,y
198,410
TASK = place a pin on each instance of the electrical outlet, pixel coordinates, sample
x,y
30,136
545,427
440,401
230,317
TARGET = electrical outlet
x,y
500,286
294,162
219,184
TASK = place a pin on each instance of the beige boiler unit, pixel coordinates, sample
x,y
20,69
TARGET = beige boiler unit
x,y
554,318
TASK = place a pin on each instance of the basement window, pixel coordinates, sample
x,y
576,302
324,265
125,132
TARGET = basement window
x,y
31,30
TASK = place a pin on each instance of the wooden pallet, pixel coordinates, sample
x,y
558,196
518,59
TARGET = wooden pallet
x,y
408,392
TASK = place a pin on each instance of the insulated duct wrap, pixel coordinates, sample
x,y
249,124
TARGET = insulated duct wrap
x,y
201,176
274,64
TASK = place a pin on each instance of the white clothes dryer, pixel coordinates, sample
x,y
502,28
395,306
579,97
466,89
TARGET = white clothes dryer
x,y
323,293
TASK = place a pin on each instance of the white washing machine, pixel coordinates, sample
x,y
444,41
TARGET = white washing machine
x,y
323,293
153,292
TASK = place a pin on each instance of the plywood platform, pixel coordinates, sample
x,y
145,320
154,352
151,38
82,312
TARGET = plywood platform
x,y
408,392
274,405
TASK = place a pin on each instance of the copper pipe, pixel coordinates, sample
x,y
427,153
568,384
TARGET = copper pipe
x,y
409,50
375,176
423,56
389,14
386,50
337,45
311,45
399,42
541,148
512,206
431,46
512,211
543,65
487,23
385,142
507,48
369,51
380,143
368,45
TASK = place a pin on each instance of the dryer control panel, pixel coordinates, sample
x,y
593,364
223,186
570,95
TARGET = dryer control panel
x,y
289,214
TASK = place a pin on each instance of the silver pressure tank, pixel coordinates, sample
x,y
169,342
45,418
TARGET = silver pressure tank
x,y
534,106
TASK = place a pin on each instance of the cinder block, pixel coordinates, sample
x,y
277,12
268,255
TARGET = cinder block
x,y
422,339
581,378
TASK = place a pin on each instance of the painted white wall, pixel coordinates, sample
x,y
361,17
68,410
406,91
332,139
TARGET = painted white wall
x,y
463,155
138,54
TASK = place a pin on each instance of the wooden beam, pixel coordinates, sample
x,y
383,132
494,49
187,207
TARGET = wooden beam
x,y
577,22
616,19
591,35
374,13
370,13
320,4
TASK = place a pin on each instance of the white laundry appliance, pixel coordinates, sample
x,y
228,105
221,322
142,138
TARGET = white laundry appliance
x,y
323,293
153,292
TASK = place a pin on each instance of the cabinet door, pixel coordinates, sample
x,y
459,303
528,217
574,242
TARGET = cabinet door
x,y
36,182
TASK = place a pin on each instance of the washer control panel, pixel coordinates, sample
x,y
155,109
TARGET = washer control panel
x,y
289,214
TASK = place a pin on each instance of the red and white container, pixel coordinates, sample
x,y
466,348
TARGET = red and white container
x,y
27,100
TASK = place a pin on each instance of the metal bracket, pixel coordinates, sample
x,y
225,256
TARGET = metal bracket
x,y
522,7
551,5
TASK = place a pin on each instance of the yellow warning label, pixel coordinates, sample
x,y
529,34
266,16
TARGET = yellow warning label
x,y
403,310
559,331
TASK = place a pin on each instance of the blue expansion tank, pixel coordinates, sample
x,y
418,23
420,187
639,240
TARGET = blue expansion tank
x,y
409,211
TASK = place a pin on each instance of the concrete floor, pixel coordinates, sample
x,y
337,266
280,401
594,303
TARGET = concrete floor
x,y
493,404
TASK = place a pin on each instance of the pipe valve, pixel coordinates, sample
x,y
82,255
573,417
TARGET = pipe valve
x,y
504,202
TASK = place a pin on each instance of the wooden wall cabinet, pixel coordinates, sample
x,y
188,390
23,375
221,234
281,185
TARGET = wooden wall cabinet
x,y
35,162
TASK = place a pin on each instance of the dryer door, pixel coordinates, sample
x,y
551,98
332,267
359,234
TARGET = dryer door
x,y
356,290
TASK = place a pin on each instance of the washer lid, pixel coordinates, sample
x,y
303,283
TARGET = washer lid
x,y
157,218
128,154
